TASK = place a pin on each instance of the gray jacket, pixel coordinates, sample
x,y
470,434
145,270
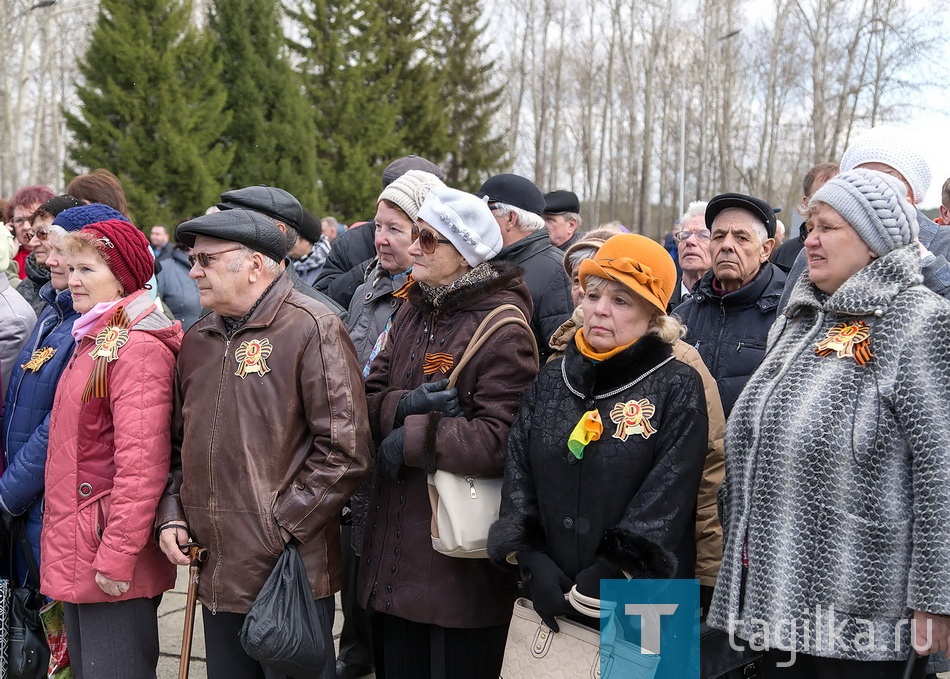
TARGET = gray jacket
x,y
17,319
371,307
838,474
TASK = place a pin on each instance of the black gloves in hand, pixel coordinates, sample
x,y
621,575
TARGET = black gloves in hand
x,y
428,398
389,457
588,580
546,585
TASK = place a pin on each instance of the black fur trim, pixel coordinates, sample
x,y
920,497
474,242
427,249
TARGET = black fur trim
x,y
464,298
636,556
591,378
428,441
514,533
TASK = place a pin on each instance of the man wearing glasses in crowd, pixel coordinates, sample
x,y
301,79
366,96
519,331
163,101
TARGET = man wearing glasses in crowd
x,y
692,251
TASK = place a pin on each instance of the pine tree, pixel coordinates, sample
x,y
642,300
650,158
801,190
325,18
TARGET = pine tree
x,y
272,130
351,93
468,96
152,109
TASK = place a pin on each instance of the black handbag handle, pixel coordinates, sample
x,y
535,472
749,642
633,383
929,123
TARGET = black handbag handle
x,y
18,534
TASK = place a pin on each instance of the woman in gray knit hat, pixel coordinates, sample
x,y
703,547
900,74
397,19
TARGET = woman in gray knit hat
x,y
836,510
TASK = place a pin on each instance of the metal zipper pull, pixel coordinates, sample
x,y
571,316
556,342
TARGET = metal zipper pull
x,y
471,485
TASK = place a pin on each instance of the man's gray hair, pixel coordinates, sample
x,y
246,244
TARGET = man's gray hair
x,y
576,217
271,266
527,221
695,209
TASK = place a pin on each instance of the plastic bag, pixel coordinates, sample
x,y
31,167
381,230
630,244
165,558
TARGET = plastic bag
x,y
55,626
282,630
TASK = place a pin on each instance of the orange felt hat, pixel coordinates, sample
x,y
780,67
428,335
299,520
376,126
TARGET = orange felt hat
x,y
636,262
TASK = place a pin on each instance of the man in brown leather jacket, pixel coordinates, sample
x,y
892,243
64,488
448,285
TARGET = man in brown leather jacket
x,y
270,435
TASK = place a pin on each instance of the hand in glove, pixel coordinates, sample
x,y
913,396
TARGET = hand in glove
x,y
389,457
588,580
546,585
427,398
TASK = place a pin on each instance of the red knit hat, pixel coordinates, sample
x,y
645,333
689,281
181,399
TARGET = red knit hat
x,y
125,250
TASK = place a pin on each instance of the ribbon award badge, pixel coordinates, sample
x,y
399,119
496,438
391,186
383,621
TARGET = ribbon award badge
x,y
39,357
252,357
633,417
108,343
848,340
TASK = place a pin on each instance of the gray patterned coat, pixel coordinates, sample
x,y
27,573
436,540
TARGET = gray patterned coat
x,y
838,474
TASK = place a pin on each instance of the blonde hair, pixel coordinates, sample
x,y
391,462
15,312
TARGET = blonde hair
x,y
81,243
666,328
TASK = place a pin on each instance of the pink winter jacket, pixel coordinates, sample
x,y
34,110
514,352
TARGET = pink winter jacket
x,y
108,464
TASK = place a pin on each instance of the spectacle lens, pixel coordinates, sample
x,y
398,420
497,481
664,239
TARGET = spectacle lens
x,y
684,235
429,241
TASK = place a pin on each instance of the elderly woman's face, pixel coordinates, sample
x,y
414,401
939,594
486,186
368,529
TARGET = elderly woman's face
x,y
613,315
441,266
394,235
91,281
834,249
39,242
56,261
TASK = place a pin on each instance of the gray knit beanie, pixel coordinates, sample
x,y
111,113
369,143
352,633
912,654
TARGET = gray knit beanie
x,y
409,191
875,205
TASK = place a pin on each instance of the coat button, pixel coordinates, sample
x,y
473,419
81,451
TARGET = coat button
x,y
589,404
571,460
569,523
368,296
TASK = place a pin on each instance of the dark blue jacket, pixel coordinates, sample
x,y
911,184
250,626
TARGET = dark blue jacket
x,y
26,412
729,331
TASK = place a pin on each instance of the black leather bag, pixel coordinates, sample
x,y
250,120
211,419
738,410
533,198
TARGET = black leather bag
x,y
282,630
27,648
719,660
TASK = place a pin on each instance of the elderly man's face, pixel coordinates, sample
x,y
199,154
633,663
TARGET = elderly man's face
x,y
736,248
560,228
693,252
158,237
221,284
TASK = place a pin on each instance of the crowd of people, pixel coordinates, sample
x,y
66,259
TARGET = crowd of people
x,y
771,421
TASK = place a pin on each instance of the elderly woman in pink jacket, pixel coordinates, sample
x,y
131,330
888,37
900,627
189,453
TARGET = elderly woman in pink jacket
x,y
109,451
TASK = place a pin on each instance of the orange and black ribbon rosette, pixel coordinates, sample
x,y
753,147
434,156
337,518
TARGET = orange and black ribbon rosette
x,y
849,339
108,342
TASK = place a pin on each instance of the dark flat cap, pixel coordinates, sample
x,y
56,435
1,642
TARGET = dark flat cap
x,y
401,166
268,200
513,189
758,207
57,204
246,227
310,227
559,202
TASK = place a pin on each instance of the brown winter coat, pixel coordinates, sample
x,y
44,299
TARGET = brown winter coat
x,y
280,450
708,527
400,573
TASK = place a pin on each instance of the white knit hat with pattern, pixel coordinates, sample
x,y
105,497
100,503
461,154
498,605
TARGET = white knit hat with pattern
x,y
895,147
465,220
873,203
409,191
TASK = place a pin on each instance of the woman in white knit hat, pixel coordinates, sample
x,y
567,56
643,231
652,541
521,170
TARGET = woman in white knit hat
x,y
837,496
434,615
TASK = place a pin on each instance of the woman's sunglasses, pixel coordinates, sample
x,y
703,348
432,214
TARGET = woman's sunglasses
x,y
41,235
429,240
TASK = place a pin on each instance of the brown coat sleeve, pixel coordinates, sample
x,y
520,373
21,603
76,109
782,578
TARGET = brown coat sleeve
x,y
708,527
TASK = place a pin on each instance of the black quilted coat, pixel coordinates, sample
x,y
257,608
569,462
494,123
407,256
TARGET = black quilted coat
x,y
632,502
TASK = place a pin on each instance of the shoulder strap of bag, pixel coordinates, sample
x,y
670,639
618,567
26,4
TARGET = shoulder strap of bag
x,y
18,533
483,332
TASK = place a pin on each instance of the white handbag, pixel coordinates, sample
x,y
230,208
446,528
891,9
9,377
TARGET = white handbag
x,y
465,506
534,651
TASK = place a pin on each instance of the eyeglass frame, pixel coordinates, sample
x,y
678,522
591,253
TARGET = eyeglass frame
x,y
430,249
196,257
684,235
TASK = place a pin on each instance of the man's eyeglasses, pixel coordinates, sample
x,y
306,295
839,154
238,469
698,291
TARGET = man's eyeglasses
x,y
429,240
205,259
680,236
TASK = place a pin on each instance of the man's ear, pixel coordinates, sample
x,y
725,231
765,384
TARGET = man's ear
x,y
767,247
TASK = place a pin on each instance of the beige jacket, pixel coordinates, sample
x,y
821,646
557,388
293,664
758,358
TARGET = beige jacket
x,y
708,527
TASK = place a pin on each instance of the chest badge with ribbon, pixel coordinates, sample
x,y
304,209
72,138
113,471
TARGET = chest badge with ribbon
x,y
108,342
633,417
252,357
849,339
436,362
39,358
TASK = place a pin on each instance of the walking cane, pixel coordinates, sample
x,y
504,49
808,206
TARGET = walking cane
x,y
197,555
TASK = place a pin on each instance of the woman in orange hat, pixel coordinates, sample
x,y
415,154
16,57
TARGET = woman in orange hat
x,y
606,454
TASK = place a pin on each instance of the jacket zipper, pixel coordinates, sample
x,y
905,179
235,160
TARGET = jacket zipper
x,y
212,503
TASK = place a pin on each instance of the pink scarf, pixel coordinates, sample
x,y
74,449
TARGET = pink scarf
x,y
85,323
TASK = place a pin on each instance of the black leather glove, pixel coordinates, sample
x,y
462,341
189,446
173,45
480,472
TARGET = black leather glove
x,y
427,398
546,585
389,457
588,580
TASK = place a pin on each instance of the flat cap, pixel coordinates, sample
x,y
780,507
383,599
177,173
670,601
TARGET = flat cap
x,y
246,227
310,227
758,207
401,166
559,202
513,189
268,200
